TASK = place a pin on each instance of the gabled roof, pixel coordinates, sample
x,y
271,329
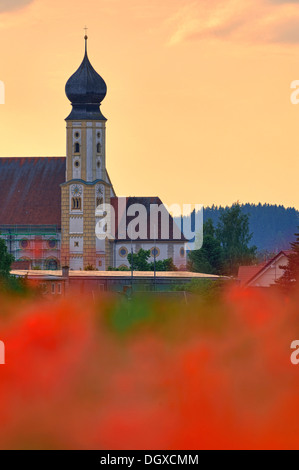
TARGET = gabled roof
x,y
30,190
146,202
247,274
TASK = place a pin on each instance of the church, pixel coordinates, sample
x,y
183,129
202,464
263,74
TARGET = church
x,y
48,204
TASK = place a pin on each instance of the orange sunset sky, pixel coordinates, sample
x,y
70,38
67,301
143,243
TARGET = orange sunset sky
x,y
198,102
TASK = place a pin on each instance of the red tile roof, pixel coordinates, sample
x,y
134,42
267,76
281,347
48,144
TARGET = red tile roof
x,y
248,272
30,190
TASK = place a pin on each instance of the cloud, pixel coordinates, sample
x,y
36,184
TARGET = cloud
x,y
8,5
287,32
260,21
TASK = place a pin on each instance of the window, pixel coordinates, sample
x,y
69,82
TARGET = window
x,y
155,252
76,244
53,288
77,163
98,135
59,288
77,135
76,203
182,252
77,147
24,243
99,148
52,243
51,264
98,164
123,252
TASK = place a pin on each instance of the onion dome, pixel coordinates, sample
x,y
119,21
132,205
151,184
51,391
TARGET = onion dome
x,y
86,90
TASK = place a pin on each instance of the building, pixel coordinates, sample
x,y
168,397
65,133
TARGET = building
x,y
93,282
264,274
48,212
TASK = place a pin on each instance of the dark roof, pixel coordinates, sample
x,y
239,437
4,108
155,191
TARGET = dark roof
x,y
30,191
86,90
146,202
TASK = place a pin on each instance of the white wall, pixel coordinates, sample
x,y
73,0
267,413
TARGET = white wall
x,y
271,274
162,247
76,249
76,263
76,225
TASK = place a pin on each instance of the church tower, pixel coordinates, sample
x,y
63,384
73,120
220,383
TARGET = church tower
x,y
87,183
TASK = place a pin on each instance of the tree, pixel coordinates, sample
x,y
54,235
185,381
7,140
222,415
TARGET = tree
x,y
234,237
290,276
163,265
209,258
6,260
139,262
271,225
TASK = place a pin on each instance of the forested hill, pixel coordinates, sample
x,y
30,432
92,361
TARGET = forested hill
x,y
273,226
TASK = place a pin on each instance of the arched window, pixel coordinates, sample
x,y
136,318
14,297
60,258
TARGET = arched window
x,y
76,203
77,147
99,148
51,264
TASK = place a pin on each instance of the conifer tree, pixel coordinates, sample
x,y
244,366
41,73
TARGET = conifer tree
x,y
290,276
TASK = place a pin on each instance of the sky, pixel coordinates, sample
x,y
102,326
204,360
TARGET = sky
x,y
198,101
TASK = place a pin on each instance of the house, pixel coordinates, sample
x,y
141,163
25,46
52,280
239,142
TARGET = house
x,y
65,281
264,274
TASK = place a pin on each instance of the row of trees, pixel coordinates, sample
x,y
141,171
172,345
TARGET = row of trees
x,y
272,226
140,262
